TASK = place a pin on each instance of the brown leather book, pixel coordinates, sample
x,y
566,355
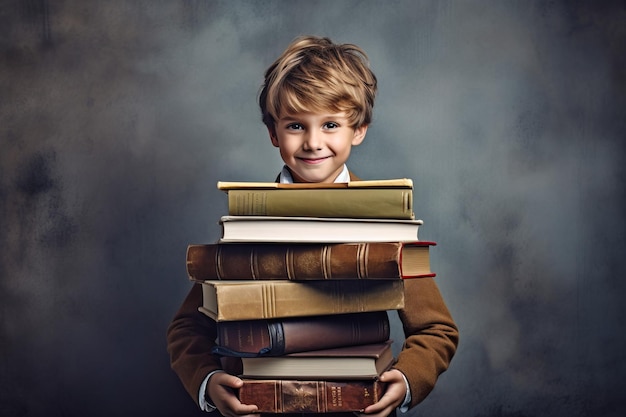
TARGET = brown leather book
x,y
300,334
294,396
252,300
309,261
349,362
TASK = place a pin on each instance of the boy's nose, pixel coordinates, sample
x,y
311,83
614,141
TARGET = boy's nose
x,y
312,141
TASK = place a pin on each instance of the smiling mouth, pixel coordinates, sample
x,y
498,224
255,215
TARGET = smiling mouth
x,y
314,160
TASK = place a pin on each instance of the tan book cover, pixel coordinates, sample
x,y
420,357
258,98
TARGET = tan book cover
x,y
350,362
391,203
248,300
358,199
294,396
309,261
388,183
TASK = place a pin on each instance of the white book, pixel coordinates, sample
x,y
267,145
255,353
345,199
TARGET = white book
x,y
317,229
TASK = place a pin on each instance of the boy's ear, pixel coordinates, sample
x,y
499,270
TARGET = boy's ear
x,y
359,135
273,137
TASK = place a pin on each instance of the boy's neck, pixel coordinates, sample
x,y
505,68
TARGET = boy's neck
x,y
285,176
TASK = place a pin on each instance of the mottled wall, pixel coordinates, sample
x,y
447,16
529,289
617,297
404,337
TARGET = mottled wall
x,y
117,118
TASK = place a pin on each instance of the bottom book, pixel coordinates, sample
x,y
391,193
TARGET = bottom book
x,y
294,396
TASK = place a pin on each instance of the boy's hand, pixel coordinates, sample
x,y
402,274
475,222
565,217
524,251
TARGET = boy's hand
x,y
393,397
221,389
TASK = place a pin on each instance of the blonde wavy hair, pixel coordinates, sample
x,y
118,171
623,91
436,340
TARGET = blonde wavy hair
x,y
315,75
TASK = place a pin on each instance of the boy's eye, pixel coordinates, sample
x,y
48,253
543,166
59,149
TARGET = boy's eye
x,y
294,126
331,125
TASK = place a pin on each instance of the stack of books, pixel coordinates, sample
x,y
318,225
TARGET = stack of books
x,y
300,284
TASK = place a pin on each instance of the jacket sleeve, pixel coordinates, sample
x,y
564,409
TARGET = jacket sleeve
x,y
190,337
431,337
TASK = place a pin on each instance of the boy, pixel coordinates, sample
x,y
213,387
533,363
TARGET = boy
x,y
317,103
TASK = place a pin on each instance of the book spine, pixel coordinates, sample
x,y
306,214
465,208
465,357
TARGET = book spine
x,y
255,185
276,299
242,261
383,203
300,334
292,396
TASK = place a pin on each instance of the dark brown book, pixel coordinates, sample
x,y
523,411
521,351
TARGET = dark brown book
x,y
308,261
293,396
350,362
300,334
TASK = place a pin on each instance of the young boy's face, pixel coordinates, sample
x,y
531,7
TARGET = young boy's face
x,y
315,146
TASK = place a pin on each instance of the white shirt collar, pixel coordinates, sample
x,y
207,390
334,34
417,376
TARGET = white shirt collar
x,y
286,178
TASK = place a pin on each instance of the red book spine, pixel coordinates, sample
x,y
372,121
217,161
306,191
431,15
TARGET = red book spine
x,y
291,396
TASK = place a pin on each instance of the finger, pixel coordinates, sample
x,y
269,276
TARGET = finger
x,y
241,411
381,413
231,381
244,409
391,376
390,400
240,408
377,407
236,414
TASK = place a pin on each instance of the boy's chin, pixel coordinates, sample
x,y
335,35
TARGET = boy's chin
x,y
314,175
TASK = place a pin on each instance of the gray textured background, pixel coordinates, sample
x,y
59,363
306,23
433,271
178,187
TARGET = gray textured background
x,y
118,117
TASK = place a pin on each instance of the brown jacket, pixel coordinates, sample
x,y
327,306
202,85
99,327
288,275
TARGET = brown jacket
x,y
430,332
